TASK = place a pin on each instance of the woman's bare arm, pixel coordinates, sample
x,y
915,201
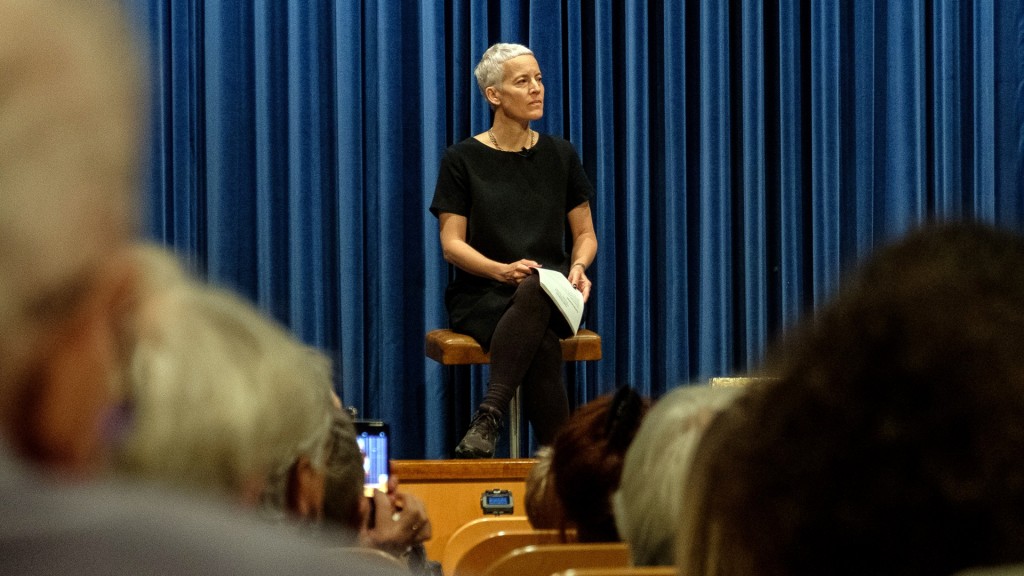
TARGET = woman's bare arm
x,y
459,253
584,247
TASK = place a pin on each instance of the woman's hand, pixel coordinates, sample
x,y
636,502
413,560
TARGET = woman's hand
x,y
516,272
578,279
400,522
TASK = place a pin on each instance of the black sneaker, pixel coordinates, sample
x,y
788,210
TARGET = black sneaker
x,y
482,436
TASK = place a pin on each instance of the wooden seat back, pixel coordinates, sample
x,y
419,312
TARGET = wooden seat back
x,y
544,560
470,533
621,571
493,547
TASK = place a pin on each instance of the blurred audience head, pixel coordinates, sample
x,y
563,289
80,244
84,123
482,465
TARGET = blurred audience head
x,y
543,508
70,133
893,442
587,461
224,398
649,501
344,504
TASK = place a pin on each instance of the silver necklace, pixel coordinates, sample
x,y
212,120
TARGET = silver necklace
x,y
533,136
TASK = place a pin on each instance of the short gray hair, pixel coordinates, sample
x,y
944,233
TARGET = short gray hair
x,y
490,71
343,482
649,502
222,394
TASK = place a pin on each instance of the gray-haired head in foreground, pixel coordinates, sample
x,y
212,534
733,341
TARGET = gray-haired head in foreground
x,y
490,71
649,502
71,118
224,397
343,484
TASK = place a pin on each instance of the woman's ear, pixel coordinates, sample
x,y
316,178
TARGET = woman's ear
x,y
493,95
306,490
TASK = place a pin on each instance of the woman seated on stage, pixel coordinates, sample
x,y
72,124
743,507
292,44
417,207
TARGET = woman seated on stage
x,y
503,200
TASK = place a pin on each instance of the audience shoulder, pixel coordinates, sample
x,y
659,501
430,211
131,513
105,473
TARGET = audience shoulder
x,y
131,529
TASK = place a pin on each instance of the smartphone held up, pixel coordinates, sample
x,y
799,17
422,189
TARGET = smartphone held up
x,y
372,437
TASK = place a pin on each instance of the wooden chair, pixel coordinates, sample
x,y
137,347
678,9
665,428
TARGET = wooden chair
x,y
620,571
543,560
454,349
495,546
474,531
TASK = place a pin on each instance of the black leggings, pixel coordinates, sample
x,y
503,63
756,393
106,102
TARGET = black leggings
x,y
525,350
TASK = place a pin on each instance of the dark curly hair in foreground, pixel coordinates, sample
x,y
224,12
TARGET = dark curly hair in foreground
x,y
893,441
587,461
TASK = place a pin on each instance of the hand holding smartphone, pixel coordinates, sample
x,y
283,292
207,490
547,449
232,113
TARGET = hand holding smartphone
x,y
372,437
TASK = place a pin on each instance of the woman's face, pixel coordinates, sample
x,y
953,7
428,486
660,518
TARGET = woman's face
x,y
522,93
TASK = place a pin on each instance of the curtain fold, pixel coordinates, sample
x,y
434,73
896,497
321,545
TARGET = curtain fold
x,y
744,154
670,341
715,188
753,330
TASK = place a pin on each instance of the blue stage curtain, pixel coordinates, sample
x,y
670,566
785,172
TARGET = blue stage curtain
x,y
745,154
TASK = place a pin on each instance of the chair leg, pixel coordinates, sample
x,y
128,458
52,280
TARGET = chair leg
x,y
514,407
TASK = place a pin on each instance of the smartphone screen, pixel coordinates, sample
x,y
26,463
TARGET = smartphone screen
x,y
372,438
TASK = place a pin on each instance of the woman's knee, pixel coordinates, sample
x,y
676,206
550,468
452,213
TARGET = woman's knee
x,y
529,292
530,284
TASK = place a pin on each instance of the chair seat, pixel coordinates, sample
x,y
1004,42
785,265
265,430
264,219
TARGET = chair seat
x,y
452,348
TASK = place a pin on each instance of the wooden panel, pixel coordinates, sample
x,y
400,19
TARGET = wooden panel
x,y
451,490
462,470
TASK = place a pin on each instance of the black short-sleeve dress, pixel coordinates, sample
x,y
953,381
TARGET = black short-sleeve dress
x,y
515,204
